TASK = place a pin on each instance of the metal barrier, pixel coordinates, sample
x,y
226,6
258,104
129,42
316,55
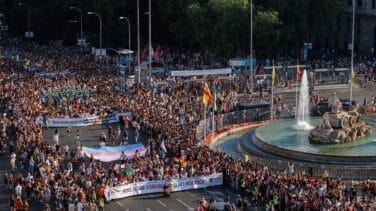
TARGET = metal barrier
x,y
231,118
317,170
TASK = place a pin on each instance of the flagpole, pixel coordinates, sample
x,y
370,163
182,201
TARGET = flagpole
x,y
204,121
251,46
352,50
214,106
272,100
296,88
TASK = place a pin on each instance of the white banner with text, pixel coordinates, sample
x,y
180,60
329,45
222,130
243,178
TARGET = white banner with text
x,y
86,121
156,186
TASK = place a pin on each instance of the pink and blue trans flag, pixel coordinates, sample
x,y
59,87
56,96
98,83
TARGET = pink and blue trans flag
x,y
108,154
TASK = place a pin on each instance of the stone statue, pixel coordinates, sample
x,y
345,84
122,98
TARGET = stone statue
x,y
339,126
335,105
325,124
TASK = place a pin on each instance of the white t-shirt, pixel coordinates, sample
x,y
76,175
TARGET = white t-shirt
x,y
56,139
80,206
18,190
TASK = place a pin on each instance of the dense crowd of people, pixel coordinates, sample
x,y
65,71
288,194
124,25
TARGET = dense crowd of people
x,y
56,176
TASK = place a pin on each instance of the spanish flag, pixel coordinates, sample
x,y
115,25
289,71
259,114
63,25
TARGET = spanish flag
x,y
207,97
298,72
273,76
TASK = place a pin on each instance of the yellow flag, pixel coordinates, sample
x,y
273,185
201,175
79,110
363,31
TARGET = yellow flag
x,y
352,73
273,76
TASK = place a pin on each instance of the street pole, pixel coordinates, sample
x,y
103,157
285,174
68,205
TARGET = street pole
x,y
251,45
100,33
352,50
138,44
81,33
214,106
129,37
129,48
272,96
150,59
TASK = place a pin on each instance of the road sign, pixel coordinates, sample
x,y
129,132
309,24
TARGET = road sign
x,y
29,34
81,42
307,45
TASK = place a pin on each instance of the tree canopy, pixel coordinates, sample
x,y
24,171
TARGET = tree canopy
x,y
219,27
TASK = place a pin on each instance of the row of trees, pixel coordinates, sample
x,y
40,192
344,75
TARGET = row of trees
x,y
219,27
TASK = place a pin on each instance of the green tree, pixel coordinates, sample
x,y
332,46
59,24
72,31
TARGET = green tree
x,y
267,31
220,27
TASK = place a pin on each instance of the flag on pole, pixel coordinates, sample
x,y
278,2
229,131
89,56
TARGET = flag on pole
x,y
207,97
163,146
298,72
273,76
143,54
352,74
156,54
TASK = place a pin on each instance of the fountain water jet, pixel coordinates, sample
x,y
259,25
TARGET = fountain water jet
x,y
303,106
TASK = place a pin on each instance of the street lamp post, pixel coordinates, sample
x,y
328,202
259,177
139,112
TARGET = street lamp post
x,y
352,50
150,44
138,44
129,36
79,10
251,45
28,14
100,32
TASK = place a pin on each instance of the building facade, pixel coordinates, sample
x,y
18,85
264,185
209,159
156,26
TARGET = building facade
x,y
338,36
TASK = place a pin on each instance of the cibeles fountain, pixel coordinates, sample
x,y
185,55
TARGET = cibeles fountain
x,y
338,140
339,126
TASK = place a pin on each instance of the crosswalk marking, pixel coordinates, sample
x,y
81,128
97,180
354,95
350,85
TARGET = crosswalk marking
x,y
183,203
163,204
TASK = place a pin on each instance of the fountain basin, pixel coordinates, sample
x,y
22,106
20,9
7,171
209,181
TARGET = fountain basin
x,y
281,140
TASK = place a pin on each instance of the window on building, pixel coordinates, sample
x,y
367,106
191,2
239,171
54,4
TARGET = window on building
x,y
339,25
360,3
373,4
349,2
